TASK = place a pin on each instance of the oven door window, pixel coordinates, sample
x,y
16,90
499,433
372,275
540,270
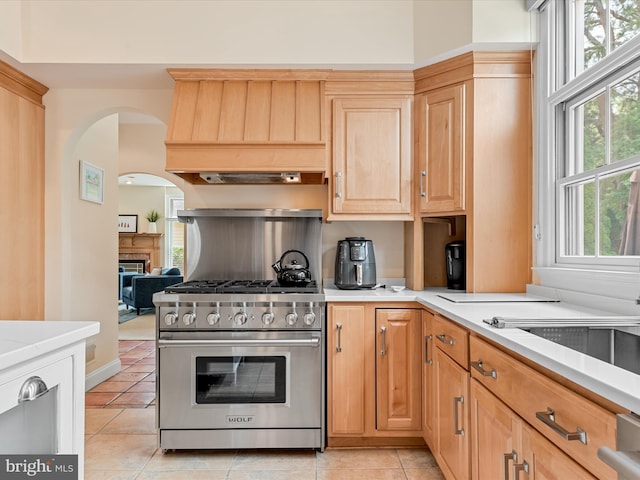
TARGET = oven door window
x,y
241,379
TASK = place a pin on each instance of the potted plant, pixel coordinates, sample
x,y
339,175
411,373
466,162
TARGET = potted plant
x,y
152,217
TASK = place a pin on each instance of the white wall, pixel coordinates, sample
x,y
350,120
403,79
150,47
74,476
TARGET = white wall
x,y
503,21
221,31
11,27
89,272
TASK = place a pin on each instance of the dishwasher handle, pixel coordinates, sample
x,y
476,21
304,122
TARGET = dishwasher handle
x,y
627,464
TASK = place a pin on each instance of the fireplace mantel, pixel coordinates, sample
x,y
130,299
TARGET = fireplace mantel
x,y
140,246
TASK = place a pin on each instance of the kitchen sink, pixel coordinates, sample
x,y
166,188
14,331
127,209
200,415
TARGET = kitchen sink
x,y
615,340
619,346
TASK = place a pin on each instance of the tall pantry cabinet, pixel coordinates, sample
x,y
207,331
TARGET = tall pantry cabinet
x,y
21,195
473,171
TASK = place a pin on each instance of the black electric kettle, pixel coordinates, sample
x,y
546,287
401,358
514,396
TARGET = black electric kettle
x,y
292,274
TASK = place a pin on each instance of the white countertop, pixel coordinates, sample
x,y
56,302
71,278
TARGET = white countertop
x,y
611,382
21,340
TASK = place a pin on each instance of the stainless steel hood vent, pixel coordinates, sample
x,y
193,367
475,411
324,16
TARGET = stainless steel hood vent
x,y
251,177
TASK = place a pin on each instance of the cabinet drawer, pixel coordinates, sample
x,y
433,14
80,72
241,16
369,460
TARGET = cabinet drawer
x,y
533,396
452,339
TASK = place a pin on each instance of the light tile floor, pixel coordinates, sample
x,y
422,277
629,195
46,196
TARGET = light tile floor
x,y
120,442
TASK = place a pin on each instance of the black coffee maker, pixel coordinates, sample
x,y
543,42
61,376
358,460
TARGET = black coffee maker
x,y
355,264
455,257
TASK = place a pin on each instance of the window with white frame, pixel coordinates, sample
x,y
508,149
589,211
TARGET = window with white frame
x,y
174,233
592,64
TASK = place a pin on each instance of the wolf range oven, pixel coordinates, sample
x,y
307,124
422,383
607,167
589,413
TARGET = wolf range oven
x,y
241,363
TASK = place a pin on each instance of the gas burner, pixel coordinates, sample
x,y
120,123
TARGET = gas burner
x,y
245,286
195,286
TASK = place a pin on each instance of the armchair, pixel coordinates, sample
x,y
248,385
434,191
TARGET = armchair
x,y
140,293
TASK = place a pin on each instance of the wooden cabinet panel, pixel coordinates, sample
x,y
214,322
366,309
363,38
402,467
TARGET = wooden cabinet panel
x,y
428,381
371,156
22,195
347,370
398,382
452,385
495,433
529,393
452,339
440,150
547,462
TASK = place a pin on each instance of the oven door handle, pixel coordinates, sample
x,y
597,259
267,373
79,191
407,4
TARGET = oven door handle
x,y
293,342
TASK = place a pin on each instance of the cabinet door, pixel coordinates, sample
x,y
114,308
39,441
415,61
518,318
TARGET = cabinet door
x,y
440,150
428,381
346,371
548,462
371,156
452,385
398,367
494,435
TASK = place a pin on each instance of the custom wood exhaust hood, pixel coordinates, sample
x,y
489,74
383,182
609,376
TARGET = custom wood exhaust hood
x,y
248,126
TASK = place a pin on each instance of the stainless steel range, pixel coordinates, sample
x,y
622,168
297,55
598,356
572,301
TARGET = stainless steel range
x,y
241,361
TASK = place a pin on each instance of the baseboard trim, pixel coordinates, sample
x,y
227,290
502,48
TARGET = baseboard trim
x,y
101,374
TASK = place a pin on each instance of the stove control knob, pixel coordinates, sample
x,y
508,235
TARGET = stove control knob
x,y
291,318
309,318
189,318
267,318
170,319
213,318
240,318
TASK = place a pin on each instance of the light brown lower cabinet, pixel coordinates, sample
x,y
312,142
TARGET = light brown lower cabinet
x,y
452,413
373,374
504,447
428,381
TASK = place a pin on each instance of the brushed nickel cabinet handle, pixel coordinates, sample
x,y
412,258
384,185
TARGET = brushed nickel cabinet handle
x,y
520,467
549,419
338,184
423,178
485,373
383,331
456,430
339,329
506,458
446,340
427,360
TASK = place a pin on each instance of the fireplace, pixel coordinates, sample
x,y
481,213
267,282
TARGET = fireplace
x,y
139,248
135,265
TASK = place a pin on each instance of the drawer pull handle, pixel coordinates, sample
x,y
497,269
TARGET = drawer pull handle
x,y
443,338
427,360
32,388
549,419
506,458
485,373
520,467
339,346
456,430
383,331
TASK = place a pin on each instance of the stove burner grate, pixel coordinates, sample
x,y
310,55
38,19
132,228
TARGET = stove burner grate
x,y
239,287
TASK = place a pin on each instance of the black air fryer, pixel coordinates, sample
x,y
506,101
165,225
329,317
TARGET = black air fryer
x,y
456,261
355,264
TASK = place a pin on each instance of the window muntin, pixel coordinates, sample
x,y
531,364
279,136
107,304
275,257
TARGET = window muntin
x,y
174,234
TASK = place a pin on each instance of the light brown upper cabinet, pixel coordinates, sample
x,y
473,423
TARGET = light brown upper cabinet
x,y
473,173
439,153
22,197
371,165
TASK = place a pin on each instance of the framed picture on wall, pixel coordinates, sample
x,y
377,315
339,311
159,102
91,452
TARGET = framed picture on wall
x,y
128,223
91,182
